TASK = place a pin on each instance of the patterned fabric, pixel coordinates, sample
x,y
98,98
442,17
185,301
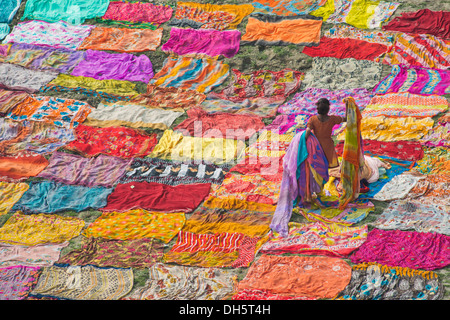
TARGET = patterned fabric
x,y
409,214
438,136
317,238
16,282
10,193
39,57
138,12
416,80
87,93
58,34
419,50
67,113
409,249
124,66
136,224
374,281
221,250
340,74
73,169
36,229
20,167
51,197
210,16
9,99
302,30
435,161
140,253
114,141
405,104
398,187
286,7
288,123
312,277
269,144
203,43
346,31
256,294
19,78
172,173
432,189
41,255
191,74
83,283
168,282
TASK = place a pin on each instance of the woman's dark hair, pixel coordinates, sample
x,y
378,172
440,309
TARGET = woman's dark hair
x,y
323,106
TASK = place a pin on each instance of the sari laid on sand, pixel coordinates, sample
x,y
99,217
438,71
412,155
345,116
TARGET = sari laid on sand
x,y
9,99
10,193
305,171
286,7
16,77
352,155
16,282
21,166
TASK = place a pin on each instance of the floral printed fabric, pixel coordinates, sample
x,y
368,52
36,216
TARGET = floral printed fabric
x,y
35,229
286,7
374,281
114,141
438,136
432,189
58,34
167,282
139,253
136,224
397,188
10,193
415,250
345,31
16,282
435,161
409,214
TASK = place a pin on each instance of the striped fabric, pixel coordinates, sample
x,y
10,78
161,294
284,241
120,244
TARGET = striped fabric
x,y
191,74
421,50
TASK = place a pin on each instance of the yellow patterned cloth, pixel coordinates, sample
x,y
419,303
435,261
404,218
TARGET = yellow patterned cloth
x,y
34,229
10,193
269,144
136,224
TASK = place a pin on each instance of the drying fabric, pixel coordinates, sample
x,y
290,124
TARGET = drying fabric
x,y
138,12
131,115
123,66
438,136
15,77
9,99
412,215
37,229
191,74
157,197
260,84
41,255
405,104
415,250
314,277
109,86
416,80
288,123
136,224
342,48
256,294
61,112
254,188
140,253
103,171
302,30
259,165
445,118
166,282
222,250
51,197
374,281
83,283
209,16
423,21
317,238
286,7
340,74
114,141
10,193
4,49
362,14
203,43
345,31
269,144
419,50
122,39
21,167
304,102
4,30
435,161
432,189
172,172
58,34
229,126
397,188
9,130
403,150
9,10
170,98
235,204
174,146
305,171
16,282
40,57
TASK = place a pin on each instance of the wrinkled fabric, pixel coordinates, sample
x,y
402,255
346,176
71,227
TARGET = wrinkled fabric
x,y
432,189
4,30
138,12
10,193
345,31
16,282
102,65
286,7
438,136
9,99
41,255
21,167
397,188
15,77
169,97
9,10
435,161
